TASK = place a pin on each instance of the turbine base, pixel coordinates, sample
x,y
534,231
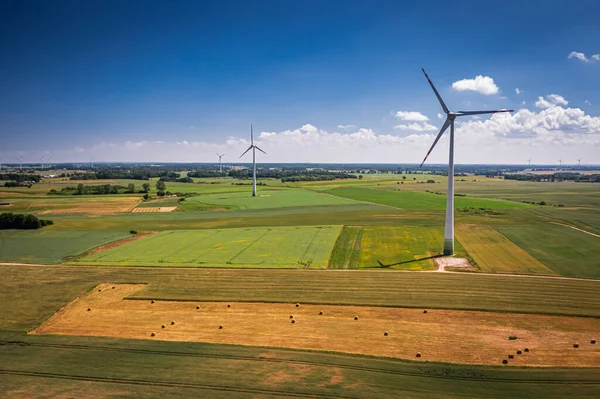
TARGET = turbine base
x,y
448,247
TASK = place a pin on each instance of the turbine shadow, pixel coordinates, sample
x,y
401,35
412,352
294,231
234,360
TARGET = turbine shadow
x,y
384,266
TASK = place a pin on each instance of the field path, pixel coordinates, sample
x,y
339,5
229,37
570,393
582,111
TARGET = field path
x,y
577,228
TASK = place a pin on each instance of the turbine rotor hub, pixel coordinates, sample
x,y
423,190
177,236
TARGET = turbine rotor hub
x,y
451,116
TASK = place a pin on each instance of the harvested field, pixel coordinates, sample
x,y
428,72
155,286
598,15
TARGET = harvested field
x,y
439,335
154,209
91,206
494,253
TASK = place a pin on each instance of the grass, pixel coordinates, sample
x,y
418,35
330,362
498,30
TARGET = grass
x,y
278,247
567,251
494,253
51,246
347,249
415,200
163,202
406,248
265,199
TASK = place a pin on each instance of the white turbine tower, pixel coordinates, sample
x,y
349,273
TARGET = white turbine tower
x,y
579,162
560,163
529,161
220,164
42,161
92,163
450,116
21,163
253,148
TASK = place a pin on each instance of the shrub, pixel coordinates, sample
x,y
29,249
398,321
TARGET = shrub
x,y
132,231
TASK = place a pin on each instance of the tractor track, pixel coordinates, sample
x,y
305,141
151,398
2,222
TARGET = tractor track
x,y
423,373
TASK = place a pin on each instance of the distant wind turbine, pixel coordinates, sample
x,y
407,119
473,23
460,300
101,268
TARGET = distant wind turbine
x,y
92,163
220,164
450,116
560,162
579,161
253,148
529,161
21,163
42,161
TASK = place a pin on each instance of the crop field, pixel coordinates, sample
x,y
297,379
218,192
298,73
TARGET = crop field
x,y
347,249
99,205
281,198
249,247
442,335
494,253
415,200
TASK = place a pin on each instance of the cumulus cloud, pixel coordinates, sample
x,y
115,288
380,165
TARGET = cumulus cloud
x,y
579,56
346,127
418,127
518,91
440,116
550,101
596,57
411,116
482,84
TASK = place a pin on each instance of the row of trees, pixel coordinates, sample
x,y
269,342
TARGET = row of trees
x,y
24,222
82,189
291,175
17,177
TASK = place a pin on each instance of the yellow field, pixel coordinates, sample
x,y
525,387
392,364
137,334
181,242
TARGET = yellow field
x,y
92,206
438,335
494,253
154,209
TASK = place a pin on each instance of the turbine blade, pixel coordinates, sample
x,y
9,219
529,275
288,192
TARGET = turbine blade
x,y
259,150
436,93
249,148
442,130
251,135
463,113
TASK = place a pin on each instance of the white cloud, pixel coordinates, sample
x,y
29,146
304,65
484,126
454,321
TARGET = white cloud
x,y
482,84
440,116
524,102
346,127
596,57
411,116
418,127
550,101
518,91
579,56
586,102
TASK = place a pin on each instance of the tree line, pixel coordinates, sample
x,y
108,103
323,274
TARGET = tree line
x,y
23,222
17,177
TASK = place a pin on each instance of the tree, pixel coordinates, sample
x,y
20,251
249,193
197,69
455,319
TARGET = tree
x,y
403,177
161,186
146,187
131,188
80,189
360,177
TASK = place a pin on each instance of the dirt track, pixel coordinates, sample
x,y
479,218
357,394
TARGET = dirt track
x,y
439,335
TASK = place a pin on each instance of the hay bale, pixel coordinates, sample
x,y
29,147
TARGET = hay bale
x,y
99,290
297,305
526,349
575,346
320,313
197,307
418,354
519,352
172,323
152,301
163,326
504,361
355,317
385,333
291,316
593,342
293,321
152,335
113,287
228,305
220,327
425,311
511,356
89,309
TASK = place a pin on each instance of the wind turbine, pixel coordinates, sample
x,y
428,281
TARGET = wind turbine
x,y
42,161
529,161
253,148
579,162
450,117
560,163
21,163
220,165
92,163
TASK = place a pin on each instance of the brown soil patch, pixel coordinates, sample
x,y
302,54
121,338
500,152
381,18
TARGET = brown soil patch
x,y
118,243
450,263
439,335
154,209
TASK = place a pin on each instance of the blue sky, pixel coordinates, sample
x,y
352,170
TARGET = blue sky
x,y
176,81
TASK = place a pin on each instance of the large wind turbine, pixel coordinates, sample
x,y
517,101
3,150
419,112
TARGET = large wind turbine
x,y
450,116
220,164
253,148
529,161
579,162
560,163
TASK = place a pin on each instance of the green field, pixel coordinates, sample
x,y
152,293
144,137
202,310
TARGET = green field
x,y
269,247
347,250
415,200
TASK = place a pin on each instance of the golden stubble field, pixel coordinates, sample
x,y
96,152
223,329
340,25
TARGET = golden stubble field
x,y
438,335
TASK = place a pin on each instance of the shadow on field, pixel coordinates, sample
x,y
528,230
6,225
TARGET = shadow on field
x,y
384,266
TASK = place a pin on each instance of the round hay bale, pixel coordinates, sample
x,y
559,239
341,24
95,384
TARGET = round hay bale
x,y
385,333
418,354
593,342
504,361
575,346
172,323
291,316
519,352
425,311
89,309
320,313
220,327
113,287
297,305
228,305
99,290
511,356
293,321
197,307
152,335
163,326
355,317
152,301
526,349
